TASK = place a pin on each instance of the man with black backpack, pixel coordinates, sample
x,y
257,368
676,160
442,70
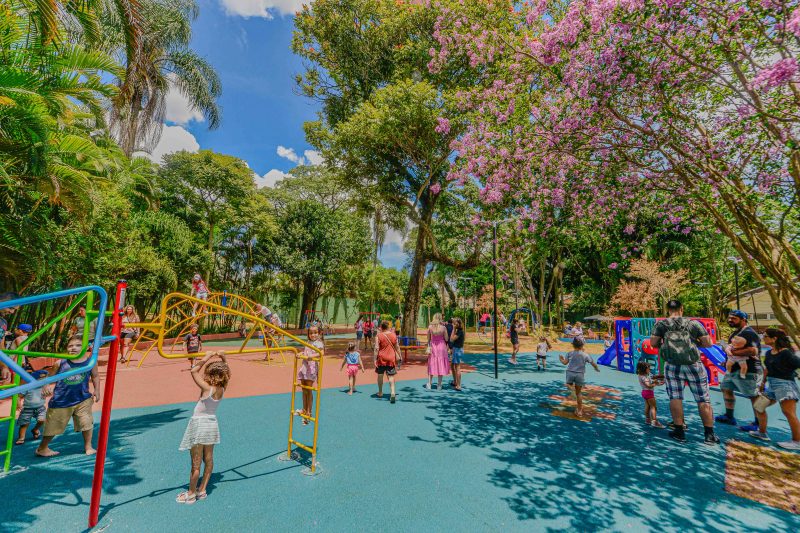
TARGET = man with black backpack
x,y
677,339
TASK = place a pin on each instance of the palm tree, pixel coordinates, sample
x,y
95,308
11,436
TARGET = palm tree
x,y
51,110
165,61
51,96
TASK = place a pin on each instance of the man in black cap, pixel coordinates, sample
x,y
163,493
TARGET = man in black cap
x,y
733,382
677,339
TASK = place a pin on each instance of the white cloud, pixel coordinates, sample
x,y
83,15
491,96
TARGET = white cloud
x,y
179,111
269,179
173,139
313,157
290,154
393,256
262,8
309,157
394,237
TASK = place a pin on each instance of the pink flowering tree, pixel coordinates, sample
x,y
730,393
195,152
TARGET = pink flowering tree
x,y
686,107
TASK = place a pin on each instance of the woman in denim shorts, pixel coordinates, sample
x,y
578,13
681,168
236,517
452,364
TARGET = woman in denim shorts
x,y
781,366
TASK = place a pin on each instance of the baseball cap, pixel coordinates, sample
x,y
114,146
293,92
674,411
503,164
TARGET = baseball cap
x,y
738,314
27,328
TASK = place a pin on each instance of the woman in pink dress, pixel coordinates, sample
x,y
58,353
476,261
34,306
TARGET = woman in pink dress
x,y
438,361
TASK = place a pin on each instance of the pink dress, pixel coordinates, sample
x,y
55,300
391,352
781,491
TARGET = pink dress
x,y
308,369
438,362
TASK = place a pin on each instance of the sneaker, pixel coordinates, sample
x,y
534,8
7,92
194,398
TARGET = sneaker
x,y
711,440
674,435
671,425
725,419
658,425
758,435
749,427
790,445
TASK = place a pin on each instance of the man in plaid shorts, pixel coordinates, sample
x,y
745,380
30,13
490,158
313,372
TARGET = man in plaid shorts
x,y
689,370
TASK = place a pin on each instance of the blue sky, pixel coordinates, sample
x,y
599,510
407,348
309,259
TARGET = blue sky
x,y
248,43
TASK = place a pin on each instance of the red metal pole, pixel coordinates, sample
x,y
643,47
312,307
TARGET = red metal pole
x,y
108,395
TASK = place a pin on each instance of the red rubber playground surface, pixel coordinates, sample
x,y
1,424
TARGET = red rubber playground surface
x,y
162,381
504,455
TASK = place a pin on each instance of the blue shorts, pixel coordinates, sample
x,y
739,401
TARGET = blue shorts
x,y
781,389
576,378
38,413
359,335
747,386
458,356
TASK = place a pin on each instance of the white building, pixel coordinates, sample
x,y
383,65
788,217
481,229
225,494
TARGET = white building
x,y
758,305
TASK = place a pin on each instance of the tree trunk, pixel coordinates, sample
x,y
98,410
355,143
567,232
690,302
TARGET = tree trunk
x,y
416,282
451,296
310,290
419,264
210,251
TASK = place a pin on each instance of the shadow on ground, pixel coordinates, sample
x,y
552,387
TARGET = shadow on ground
x,y
59,479
599,475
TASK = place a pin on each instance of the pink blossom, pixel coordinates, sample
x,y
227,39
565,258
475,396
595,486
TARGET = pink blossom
x,y
613,266
443,125
436,188
793,25
778,74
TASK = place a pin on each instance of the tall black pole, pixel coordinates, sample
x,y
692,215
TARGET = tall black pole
x,y
736,279
494,295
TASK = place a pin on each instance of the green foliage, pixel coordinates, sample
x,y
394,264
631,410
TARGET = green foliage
x,y
315,242
166,62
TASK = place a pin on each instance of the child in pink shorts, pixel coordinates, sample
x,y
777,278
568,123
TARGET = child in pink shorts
x,y
648,383
353,361
309,367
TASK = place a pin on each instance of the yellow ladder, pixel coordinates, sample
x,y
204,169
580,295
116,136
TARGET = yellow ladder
x,y
312,419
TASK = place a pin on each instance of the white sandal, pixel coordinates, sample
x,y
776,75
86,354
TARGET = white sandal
x,y
184,497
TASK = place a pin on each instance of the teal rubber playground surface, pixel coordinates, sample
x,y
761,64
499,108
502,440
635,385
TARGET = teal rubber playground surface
x,y
488,459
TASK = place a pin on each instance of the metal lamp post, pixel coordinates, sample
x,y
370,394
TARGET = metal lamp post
x,y
494,295
464,299
494,289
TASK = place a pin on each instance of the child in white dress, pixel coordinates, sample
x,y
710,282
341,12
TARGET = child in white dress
x,y
202,433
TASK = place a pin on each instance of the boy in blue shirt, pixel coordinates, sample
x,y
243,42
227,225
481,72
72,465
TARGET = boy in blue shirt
x,y
71,399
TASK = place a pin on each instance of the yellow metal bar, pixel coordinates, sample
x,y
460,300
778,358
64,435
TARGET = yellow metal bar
x,y
142,338
291,410
306,448
316,413
248,337
219,308
145,354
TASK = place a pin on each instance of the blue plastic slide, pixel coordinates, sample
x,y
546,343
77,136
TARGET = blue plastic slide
x,y
608,357
716,355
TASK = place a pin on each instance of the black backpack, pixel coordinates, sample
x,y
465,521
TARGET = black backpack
x,y
677,347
